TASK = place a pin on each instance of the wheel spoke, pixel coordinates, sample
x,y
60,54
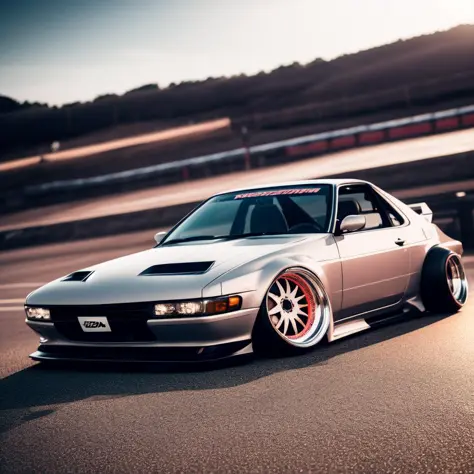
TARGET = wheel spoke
x,y
285,325
288,289
293,323
275,310
275,298
282,291
300,298
298,319
282,319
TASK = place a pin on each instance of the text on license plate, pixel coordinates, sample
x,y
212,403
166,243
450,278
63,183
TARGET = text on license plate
x,y
94,324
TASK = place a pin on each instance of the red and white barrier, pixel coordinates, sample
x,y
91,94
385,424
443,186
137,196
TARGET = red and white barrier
x,y
399,129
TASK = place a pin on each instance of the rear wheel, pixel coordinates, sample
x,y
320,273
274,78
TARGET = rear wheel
x,y
444,287
295,314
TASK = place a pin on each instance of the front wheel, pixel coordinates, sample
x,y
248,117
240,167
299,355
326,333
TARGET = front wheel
x,y
295,314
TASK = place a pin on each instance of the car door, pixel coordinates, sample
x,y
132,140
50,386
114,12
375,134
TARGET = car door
x,y
375,260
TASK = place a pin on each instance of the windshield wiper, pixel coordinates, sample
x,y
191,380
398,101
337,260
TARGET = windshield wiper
x,y
249,234
218,237
191,239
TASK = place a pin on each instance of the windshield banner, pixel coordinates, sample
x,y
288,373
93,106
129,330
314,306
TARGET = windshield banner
x,y
278,192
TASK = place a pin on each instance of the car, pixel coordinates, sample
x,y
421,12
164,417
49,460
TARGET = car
x,y
273,269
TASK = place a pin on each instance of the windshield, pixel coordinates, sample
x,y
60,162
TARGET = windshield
x,y
269,211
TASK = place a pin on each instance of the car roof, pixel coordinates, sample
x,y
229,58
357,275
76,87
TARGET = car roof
x,y
312,182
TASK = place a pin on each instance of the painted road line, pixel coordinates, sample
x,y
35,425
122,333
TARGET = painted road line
x,y
12,308
12,301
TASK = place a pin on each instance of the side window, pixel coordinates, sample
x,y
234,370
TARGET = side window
x,y
362,199
395,218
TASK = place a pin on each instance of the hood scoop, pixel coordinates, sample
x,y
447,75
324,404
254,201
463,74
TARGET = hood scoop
x,y
192,268
78,276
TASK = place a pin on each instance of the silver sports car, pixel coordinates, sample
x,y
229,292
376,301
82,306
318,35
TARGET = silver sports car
x,y
274,269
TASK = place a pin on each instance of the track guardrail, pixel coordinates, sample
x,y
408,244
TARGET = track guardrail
x,y
451,119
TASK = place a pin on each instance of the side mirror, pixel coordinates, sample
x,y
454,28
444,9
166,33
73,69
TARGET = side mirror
x,y
159,236
352,224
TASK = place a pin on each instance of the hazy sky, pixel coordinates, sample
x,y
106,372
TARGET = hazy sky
x,y
60,51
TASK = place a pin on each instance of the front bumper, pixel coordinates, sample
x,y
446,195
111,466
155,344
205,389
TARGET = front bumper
x,y
179,339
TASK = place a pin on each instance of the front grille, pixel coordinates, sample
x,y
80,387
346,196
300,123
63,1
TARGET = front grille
x,y
128,322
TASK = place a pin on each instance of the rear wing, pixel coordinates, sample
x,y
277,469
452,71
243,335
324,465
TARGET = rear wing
x,y
423,209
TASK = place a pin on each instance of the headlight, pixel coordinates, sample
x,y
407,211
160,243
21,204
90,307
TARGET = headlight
x,y
199,307
191,307
38,314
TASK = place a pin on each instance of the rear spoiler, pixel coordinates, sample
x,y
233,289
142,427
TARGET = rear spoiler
x,y
423,209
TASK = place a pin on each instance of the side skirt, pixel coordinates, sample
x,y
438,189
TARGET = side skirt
x,y
358,324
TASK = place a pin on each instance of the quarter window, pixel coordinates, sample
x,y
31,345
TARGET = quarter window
x,y
363,200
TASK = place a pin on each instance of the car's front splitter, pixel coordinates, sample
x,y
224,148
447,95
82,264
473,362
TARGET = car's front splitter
x,y
141,354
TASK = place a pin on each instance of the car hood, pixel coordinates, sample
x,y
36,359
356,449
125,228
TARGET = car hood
x,y
119,280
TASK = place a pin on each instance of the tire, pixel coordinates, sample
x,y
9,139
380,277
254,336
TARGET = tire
x,y
295,314
444,286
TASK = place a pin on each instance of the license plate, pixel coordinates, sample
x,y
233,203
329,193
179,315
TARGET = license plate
x,y
94,324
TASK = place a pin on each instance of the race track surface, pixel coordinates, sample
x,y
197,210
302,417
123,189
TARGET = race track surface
x,y
193,191
398,399
88,150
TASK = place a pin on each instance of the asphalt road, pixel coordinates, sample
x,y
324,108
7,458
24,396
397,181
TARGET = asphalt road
x,y
398,399
422,148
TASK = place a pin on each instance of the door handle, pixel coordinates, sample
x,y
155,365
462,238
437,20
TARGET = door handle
x,y
400,242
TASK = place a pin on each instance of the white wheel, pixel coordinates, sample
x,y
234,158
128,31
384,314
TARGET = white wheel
x,y
296,312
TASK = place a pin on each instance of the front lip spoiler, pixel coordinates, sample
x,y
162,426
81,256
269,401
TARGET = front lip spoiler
x,y
142,354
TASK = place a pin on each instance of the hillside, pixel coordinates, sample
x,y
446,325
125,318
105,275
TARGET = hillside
x,y
404,74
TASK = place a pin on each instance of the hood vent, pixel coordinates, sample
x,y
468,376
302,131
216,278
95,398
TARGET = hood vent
x,y
78,276
191,268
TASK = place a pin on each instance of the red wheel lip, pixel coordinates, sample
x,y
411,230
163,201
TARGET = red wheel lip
x,y
306,289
